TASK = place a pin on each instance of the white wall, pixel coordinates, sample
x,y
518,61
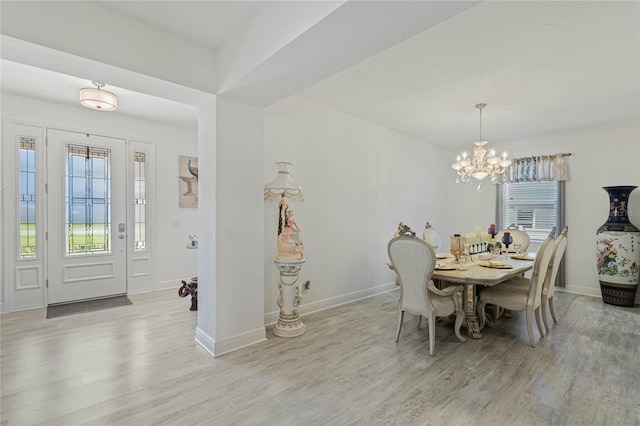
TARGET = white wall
x,y
172,262
360,181
239,273
599,158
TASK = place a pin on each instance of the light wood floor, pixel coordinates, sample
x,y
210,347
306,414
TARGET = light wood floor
x,y
139,365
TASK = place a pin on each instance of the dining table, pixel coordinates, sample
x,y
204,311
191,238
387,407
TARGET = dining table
x,y
476,274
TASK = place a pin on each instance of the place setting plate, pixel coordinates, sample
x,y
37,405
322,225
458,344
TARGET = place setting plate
x,y
522,257
446,267
496,265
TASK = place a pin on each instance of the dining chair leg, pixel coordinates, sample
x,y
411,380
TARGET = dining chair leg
x,y
481,314
419,320
530,328
539,322
400,318
553,311
432,332
459,320
543,307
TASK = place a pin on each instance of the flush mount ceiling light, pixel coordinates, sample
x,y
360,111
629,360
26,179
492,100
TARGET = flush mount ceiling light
x,y
96,98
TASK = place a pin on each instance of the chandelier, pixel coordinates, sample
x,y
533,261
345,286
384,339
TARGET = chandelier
x,y
483,163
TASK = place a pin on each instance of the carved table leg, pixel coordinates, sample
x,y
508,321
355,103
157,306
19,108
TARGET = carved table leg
x,y
471,317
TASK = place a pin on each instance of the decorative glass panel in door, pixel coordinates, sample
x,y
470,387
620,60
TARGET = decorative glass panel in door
x,y
88,202
86,216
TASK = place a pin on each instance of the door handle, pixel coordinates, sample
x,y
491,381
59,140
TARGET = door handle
x,y
121,236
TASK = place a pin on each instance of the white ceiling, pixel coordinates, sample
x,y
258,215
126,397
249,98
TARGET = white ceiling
x,y
542,67
204,22
25,80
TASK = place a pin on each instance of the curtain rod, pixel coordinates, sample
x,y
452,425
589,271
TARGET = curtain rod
x,y
560,154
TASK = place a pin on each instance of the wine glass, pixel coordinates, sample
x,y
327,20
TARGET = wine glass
x,y
507,239
457,245
463,257
517,247
492,231
495,252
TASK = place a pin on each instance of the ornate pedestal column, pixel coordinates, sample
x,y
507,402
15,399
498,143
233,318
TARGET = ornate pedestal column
x,y
289,324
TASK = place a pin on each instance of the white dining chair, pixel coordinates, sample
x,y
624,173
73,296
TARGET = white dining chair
x,y
549,284
414,260
548,289
519,237
515,296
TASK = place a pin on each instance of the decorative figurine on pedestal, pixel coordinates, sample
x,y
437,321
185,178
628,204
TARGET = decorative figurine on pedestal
x,y
289,258
289,243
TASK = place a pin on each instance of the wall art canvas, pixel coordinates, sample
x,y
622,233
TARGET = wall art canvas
x,y
188,181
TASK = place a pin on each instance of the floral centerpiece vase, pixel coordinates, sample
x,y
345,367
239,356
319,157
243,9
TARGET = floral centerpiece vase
x,y
618,250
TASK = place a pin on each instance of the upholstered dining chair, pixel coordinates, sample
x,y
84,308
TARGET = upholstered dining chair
x,y
515,296
549,284
548,289
519,237
414,260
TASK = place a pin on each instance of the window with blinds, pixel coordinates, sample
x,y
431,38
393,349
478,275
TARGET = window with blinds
x,y
535,207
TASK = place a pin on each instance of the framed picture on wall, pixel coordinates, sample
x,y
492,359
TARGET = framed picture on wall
x,y
188,181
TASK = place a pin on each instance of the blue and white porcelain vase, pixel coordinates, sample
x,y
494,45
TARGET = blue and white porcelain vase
x,y
618,250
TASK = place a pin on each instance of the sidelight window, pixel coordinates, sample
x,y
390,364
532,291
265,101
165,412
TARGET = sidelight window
x,y
139,195
27,197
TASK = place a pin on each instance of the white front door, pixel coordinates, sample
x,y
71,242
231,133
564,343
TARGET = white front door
x,y
86,216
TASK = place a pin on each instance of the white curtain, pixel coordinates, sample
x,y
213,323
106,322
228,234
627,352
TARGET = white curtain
x,y
538,168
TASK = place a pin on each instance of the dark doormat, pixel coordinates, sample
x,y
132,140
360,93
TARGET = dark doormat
x,y
55,311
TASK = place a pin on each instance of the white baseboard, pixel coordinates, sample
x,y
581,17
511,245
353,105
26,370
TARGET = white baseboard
x,y
232,344
164,285
320,305
27,307
206,341
584,291
140,291
589,291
